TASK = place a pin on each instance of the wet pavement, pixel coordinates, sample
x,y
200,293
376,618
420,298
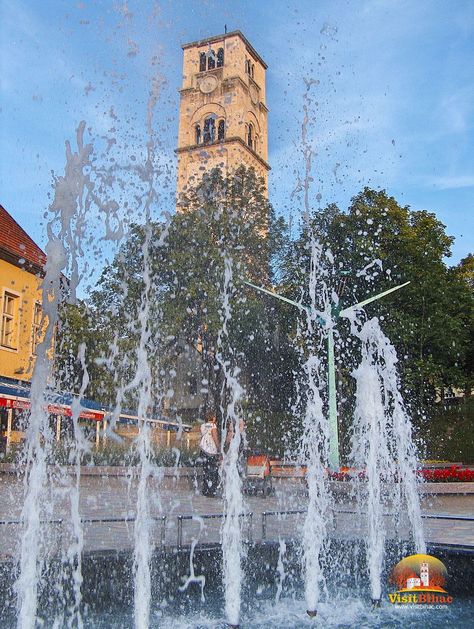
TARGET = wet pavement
x,y
179,515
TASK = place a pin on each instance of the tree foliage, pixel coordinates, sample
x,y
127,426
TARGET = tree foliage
x,y
378,244
374,245
222,217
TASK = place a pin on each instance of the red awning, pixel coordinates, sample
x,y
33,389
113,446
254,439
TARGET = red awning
x,y
56,409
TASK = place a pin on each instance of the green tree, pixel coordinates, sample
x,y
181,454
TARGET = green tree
x,y
72,330
464,276
222,216
378,243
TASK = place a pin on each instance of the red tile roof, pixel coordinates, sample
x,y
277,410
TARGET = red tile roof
x,y
16,243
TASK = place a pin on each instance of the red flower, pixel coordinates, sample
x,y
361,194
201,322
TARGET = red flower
x,y
452,474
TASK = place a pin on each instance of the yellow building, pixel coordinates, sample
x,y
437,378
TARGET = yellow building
x,y
21,270
223,113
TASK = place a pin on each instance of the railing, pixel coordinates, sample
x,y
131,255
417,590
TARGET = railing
x,y
442,516
265,514
153,518
51,521
210,516
219,516
425,516
101,520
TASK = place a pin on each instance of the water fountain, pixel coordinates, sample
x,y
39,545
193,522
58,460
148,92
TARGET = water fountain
x,y
380,442
64,234
161,578
232,547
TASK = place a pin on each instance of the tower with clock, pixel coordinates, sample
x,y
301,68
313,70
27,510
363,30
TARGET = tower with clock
x,y
223,114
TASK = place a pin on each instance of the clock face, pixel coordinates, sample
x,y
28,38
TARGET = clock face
x,y
253,94
208,84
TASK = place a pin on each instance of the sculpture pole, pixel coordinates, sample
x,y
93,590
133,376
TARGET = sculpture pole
x,y
334,460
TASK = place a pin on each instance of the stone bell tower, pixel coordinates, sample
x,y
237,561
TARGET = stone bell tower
x,y
425,574
223,112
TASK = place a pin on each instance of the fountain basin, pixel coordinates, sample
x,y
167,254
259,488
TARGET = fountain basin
x,y
108,588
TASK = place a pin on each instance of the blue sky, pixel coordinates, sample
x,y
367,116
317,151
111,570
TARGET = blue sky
x,y
392,104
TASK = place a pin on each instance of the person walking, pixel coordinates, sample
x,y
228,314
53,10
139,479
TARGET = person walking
x,y
230,435
210,449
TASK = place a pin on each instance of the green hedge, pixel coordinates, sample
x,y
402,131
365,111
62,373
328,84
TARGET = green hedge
x,y
449,434
114,454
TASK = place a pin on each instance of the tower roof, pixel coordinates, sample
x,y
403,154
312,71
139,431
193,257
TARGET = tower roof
x,y
17,246
214,38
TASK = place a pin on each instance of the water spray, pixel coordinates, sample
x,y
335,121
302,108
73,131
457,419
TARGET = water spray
x,y
370,437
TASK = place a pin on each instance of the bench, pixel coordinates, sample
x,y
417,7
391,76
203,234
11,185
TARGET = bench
x,y
258,479
287,469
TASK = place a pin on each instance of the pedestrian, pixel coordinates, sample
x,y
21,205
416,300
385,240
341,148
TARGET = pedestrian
x,y
230,435
211,450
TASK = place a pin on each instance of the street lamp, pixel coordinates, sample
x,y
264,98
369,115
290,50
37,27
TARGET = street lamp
x,y
336,313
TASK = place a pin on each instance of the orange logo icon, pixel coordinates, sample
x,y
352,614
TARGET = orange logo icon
x,y
419,579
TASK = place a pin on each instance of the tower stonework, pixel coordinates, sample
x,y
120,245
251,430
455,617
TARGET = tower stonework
x,y
425,574
223,113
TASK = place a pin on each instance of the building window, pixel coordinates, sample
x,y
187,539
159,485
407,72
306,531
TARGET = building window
x,y
198,134
207,60
221,131
37,319
211,60
209,130
249,67
250,140
9,320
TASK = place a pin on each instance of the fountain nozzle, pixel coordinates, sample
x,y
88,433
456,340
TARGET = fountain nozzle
x,y
375,602
233,626
312,613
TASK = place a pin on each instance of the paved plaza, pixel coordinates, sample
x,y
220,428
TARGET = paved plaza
x,y
179,515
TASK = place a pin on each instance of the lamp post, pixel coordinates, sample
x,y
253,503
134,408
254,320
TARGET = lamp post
x,y
336,313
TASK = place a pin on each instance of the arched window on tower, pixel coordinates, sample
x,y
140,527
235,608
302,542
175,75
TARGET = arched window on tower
x,y
249,67
250,136
202,62
220,57
221,131
211,60
209,130
198,134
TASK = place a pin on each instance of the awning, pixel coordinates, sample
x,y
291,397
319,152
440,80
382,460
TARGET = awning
x,y
16,395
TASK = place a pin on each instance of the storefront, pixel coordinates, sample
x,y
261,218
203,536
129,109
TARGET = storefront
x,y
93,420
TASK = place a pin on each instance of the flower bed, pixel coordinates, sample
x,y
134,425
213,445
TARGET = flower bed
x,y
347,476
453,474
